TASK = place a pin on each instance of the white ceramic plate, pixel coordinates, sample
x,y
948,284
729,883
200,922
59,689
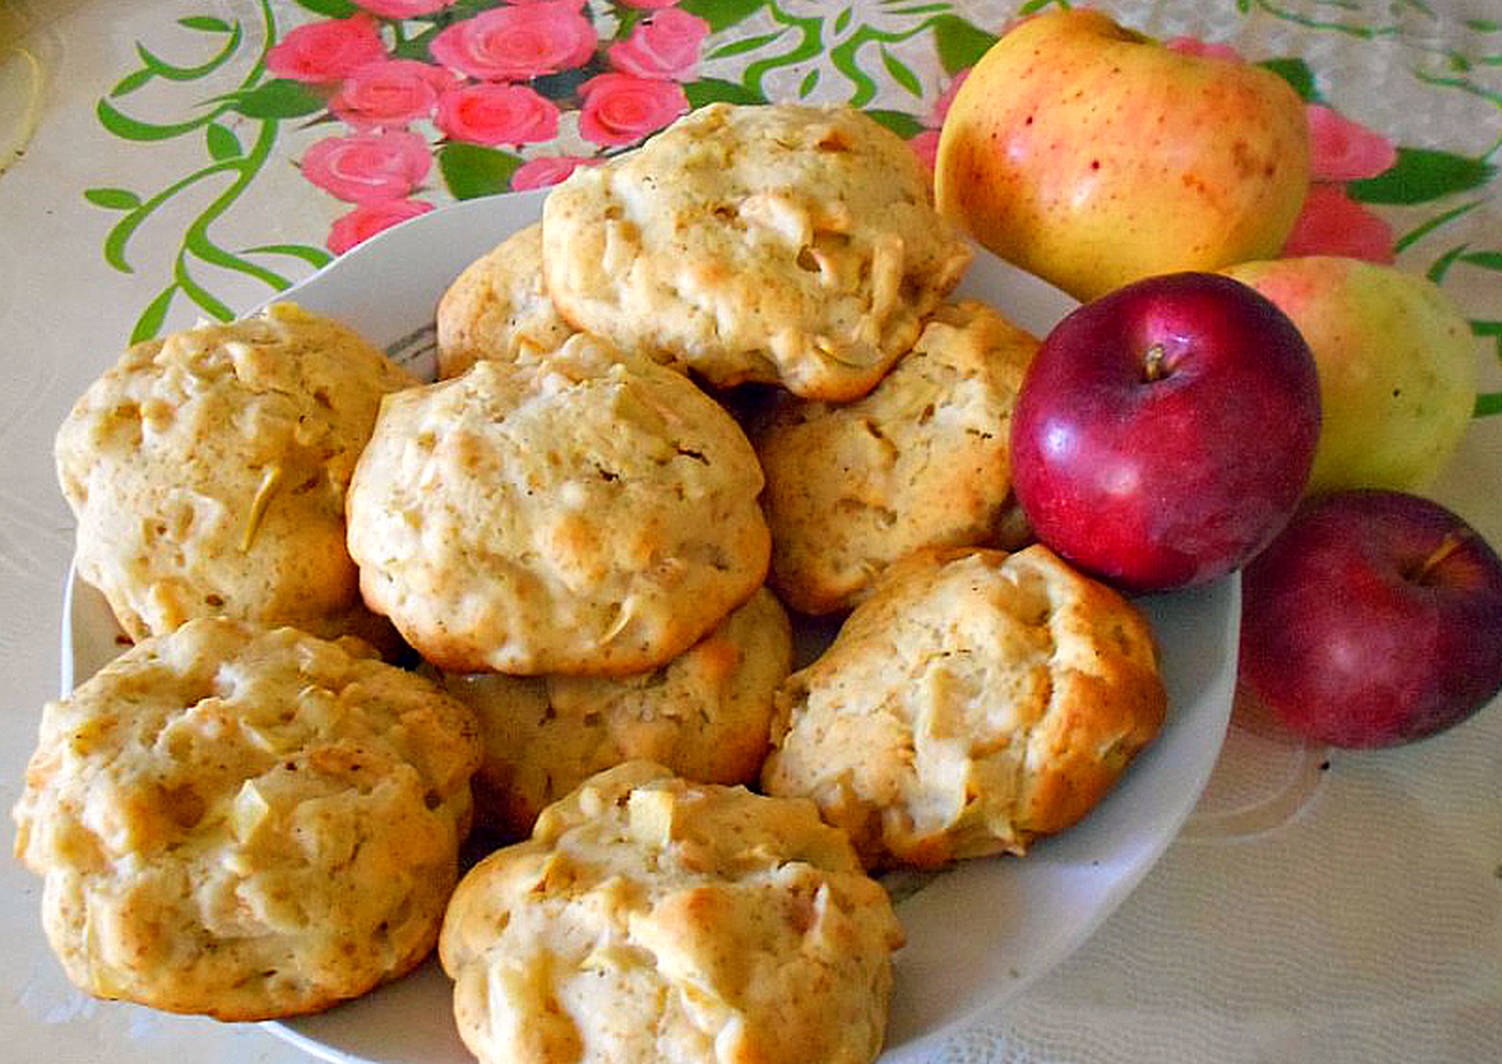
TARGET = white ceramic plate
x,y
977,934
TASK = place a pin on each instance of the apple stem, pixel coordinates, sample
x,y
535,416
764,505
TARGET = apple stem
x,y
1152,363
1448,546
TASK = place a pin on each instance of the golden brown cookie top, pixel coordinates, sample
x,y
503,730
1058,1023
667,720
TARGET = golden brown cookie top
x,y
922,461
582,514
704,715
976,700
654,920
778,243
246,822
499,308
208,469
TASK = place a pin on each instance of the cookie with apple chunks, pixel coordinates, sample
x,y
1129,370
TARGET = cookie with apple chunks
x,y
924,460
590,513
704,715
499,308
784,244
246,822
976,701
651,920
208,471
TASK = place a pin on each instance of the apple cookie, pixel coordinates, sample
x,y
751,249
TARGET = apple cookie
x,y
246,822
208,470
650,919
579,514
499,308
780,243
975,701
922,461
705,715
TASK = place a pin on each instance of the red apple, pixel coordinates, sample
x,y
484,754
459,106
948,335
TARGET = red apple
x,y
1373,619
1164,432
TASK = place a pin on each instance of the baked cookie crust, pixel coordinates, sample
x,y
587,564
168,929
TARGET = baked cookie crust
x,y
245,822
922,461
975,701
705,715
207,471
582,515
654,921
499,308
777,243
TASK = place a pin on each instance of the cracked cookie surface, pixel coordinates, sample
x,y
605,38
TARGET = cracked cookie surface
x,y
654,921
975,701
208,470
581,514
778,243
922,461
246,822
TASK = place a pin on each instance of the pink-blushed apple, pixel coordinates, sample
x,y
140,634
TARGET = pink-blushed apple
x,y
1373,619
1092,155
1163,433
1396,362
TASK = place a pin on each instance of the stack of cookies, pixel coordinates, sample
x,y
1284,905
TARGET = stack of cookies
x,y
722,376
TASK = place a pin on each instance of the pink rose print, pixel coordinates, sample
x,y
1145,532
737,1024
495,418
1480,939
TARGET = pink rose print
x,y
368,219
493,114
368,167
1343,150
517,43
547,170
946,100
1332,223
1203,49
621,108
389,94
925,146
649,5
323,52
665,45
403,8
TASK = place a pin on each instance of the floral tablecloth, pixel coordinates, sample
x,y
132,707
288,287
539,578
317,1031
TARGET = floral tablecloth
x,y
165,162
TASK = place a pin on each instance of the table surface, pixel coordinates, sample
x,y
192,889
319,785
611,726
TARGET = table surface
x,y
155,172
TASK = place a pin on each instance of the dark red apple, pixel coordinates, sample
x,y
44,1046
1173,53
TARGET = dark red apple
x,y
1373,619
1164,432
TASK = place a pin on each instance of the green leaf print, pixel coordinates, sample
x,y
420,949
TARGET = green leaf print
x,y
471,171
1487,260
901,73
277,98
204,23
960,43
1297,73
114,199
331,8
747,44
222,143
717,90
1421,175
904,125
150,321
722,14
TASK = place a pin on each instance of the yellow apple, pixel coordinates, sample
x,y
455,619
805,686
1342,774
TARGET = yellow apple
x,y
1091,155
1396,363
